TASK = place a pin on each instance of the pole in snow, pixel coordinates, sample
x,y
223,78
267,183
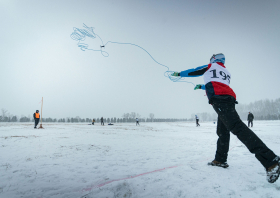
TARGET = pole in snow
x,y
41,127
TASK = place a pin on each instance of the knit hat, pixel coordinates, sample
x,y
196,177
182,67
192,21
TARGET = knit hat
x,y
218,58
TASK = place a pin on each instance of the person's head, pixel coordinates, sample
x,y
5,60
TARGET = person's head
x,y
249,112
218,58
37,111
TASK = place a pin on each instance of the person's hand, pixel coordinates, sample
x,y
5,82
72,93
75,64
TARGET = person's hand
x,y
198,87
175,74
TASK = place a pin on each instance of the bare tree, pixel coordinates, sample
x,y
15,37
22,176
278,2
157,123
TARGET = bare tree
x,y
78,118
132,115
4,112
151,115
4,116
125,115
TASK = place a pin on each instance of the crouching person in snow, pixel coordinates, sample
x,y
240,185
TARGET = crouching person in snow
x,y
36,117
223,99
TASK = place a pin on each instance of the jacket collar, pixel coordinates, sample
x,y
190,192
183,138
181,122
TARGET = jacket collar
x,y
221,64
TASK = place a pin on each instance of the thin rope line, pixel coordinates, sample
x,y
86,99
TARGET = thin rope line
x,y
81,34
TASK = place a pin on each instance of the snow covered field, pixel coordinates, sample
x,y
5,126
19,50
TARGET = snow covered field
x,y
153,160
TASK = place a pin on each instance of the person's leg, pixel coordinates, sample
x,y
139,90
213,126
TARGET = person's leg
x,y
36,122
223,142
225,107
249,122
252,123
198,122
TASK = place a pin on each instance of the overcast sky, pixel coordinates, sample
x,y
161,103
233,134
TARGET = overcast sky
x,y
39,58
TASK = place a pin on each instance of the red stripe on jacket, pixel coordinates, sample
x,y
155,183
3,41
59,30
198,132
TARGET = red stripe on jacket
x,y
222,89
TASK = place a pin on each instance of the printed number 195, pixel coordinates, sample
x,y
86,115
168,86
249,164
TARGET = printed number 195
x,y
222,74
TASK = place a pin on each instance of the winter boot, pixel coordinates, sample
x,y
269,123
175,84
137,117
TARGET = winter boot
x,y
216,163
273,172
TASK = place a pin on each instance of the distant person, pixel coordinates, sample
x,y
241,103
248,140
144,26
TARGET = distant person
x,y
223,99
36,117
137,122
102,121
197,120
93,120
250,119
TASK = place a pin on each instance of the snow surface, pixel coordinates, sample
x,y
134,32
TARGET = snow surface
x,y
153,160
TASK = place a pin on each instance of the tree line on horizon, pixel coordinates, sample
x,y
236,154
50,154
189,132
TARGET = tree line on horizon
x,y
261,109
126,118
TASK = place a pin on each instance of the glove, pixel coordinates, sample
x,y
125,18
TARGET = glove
x,y
198,87
175,74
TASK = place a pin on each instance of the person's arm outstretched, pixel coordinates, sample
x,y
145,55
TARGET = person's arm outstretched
x,y
195,72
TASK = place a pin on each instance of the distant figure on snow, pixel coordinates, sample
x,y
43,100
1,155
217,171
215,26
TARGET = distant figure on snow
x,y
223,99
197,120
93,120
36,117
250,119
102,122
137,122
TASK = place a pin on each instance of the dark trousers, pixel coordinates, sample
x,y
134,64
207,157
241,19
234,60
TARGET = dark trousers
x,y
102,123
137,122
250,121
197,124
92,123
229,120
36,122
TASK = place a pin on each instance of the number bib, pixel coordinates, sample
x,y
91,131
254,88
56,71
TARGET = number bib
x,y
217,73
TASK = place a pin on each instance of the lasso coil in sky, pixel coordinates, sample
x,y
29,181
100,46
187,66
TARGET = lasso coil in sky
x,y
80,35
